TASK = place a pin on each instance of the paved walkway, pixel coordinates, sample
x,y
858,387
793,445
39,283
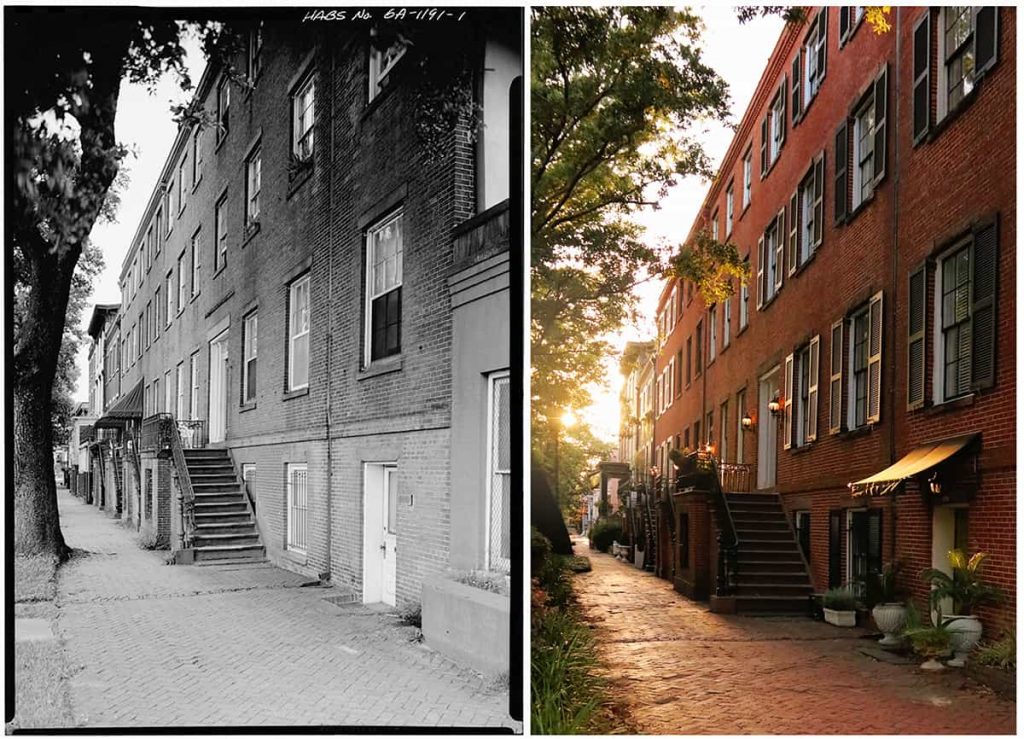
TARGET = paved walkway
x,y
684,670
156,645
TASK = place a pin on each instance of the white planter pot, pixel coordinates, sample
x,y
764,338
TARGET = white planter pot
x,y
890,619
966,633
840,618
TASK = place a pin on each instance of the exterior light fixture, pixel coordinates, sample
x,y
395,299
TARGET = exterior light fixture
x,y
773,406
747,422
934,485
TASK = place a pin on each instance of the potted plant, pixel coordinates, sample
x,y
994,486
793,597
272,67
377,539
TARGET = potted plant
x,y
889,612
840,607
965,589
931,642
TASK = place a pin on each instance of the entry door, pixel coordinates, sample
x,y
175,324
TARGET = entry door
x,y
767,431
218,387
390,538
865,554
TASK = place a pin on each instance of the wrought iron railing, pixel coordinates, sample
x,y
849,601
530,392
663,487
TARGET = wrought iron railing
x,y
192,433
701,470
186,495
734,478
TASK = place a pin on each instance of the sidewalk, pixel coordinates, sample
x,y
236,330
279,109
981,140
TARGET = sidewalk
x,y
684,670
151,645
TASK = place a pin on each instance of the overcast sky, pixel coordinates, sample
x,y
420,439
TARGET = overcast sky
x,y
738,53
144,125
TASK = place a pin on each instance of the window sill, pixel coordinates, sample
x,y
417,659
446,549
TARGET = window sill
x,y
219,271
381,367
193,298
936,129
802,449
856,433
946,406
289,394
251,230
742,329
220,142
195,185
251,405
298,177
297,556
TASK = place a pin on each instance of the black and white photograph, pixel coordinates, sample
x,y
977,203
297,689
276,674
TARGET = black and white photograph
x,y
263,282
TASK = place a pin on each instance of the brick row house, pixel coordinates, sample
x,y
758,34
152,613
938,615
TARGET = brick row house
x,y
862,381
310,361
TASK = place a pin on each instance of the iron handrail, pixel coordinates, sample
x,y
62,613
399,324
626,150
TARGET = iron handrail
x,y
703,467
186,495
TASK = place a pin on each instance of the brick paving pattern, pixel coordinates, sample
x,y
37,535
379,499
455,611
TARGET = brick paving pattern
x,y
156,645
684,670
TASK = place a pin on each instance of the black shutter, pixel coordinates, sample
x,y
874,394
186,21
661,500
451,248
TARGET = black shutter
x,y
922,77
844,23
841,179
986,38
881,90
835,548
785,104
797,88
823,39
764,145
984,277
874,549
916,303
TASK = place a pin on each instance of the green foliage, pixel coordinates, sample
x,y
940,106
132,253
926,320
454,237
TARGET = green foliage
x,y
712,265
884,587
1001,653
616,93
965,587
579,451
604,532
789,13
930,641
839,599
540,548
579,563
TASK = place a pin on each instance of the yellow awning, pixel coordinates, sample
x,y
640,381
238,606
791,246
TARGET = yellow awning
x,y
913,463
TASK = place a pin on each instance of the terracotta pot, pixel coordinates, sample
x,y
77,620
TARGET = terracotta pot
x,y
890,619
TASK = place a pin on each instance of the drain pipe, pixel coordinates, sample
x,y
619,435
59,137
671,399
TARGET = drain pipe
x,y
894,273
330,313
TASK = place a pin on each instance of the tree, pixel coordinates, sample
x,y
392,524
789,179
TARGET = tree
x,y
617,96
64,158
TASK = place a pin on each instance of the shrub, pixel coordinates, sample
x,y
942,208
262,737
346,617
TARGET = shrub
x,y
1002,653
839,599
579,563
540,549
492,582
965,587
412,615
148,539
604,532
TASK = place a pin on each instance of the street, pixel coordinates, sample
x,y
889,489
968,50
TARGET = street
x,y
155,645
684,670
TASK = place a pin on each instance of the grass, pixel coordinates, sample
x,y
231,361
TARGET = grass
x,y
1001,653
490,581
40,667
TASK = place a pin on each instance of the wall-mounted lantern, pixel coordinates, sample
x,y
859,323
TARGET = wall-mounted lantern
x,y
747,422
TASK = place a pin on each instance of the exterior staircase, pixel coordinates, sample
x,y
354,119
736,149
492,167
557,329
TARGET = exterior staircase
x,y
225,526
772,575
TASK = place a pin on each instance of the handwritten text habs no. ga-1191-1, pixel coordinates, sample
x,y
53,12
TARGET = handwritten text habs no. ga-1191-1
x,y
425,15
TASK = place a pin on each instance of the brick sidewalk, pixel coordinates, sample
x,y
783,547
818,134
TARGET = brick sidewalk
x,y
684,670
156,645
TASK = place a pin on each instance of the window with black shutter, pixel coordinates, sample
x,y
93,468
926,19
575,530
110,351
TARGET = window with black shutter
x,y
916,303
865,549
881,94
984,277
922,77
835,548
841,194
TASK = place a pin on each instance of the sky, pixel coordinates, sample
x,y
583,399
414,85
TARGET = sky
x,y
143,123
723,36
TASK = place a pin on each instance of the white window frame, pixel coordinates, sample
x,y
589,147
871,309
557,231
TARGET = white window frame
x,y
777,127
169,196
748,176
729,210
863,161
945,57
861,313
303,136
182,168
814,58
745,299
250,335
167,392
381,64
712,333
197,156
292,526
805,197
372,293
495,380
253,184
726,321
197,247
223,108
302,334
714,225
220,222
179,384
181,282
171,294
939,335
193,371
254,56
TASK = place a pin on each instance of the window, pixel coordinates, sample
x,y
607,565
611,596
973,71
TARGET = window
x,y
814,58
252,186
298,334
863,366
197,156
710,426
806,216
689,355
220,234
146,333
859,369
170,297
802,524
769,265
723,442
741,410
866,133
728,210
800,422
384,246
835,385
158,318
181,282
677,374
670,381
169,197
712,333
699,349
499,443
745,298
159,230
849,20
773,130
748,174
179,383
714,225
197,247
223,109
193,373
181,183
297,506
381,63
249,359
726,321
255,51
168,392
302,120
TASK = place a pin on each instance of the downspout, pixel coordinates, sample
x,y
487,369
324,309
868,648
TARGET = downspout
x,y
894,276
330,314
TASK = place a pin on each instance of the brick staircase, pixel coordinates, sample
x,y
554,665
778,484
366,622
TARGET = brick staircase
x,y
772,575
225,527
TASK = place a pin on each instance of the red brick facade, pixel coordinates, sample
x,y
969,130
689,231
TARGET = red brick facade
x,y
959,176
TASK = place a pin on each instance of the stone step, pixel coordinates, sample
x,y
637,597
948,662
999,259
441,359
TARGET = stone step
x,y
752,497
230,552
753,533
225,496
219,476
748,553
786,589
775,603
765,543
751,566
767,574
206,454
203,519
238,507
207,528
204,539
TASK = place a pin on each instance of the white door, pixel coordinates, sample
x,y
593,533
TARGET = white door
x,y
218,387
380,532
389,550
767,430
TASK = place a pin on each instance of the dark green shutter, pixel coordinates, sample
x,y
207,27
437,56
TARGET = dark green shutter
x,y
823,37
844,23
986,38
835,548
797,88
916,339
922,77
881,90
984,279
841,179
764,145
